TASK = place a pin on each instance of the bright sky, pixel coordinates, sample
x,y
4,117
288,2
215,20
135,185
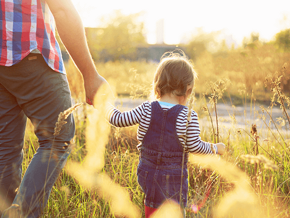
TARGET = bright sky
x,y
236,18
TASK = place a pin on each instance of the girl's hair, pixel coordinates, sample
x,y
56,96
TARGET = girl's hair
x,y
174,73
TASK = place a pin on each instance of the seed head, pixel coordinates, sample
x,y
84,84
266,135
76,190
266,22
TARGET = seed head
x,y
254,130
260,159
62,117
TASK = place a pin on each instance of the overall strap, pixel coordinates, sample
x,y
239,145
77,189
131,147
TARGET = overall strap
x,y
175,110
163,116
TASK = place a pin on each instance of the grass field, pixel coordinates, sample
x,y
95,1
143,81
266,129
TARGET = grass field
x,y
251,180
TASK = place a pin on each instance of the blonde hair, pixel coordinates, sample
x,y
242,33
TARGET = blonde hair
x,y
174,73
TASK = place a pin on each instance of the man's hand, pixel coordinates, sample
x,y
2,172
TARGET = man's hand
x,y
92,85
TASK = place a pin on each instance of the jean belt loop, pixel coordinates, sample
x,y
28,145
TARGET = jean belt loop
x,y
159,158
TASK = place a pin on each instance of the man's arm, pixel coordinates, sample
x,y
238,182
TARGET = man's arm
x,y
72,34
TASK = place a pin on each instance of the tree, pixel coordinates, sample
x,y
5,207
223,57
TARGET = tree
x,y
282,40
118,37
252,42
200,43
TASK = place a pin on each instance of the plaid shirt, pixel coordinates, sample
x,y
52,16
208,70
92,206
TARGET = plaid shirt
x,y
26,25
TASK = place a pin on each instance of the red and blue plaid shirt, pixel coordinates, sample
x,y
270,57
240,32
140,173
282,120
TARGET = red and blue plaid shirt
x,y
26,25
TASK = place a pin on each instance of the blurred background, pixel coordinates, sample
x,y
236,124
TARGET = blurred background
x,y
239,42
179,20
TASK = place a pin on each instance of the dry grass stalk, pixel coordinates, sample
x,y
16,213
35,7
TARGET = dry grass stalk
x,y
13,212
66,190
190,102
205,108
217,90
88,174
240,202
120,202
169,209
275,83
253,159
264,109
269,128
213,100
254,133
59,124
62,117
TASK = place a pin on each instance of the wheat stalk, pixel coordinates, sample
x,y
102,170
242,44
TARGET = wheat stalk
x,y
191,98
62,117
256,159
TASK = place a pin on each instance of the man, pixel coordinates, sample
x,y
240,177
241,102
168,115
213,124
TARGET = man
x,y
33,84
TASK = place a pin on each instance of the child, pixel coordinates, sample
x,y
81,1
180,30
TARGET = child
x,y
163,132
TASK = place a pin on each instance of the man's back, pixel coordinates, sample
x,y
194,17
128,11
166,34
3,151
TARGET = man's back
x,y
27,26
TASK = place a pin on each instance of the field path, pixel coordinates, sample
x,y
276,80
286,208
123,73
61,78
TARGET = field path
x,y
236,117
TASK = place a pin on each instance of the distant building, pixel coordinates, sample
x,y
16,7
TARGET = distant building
x,y
153,52
230,41
160,31
148,52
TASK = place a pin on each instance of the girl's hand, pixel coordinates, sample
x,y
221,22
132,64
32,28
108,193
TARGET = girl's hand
x,y
221,148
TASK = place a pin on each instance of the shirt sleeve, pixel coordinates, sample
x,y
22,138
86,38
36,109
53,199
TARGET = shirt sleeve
x,y
194,143
127,118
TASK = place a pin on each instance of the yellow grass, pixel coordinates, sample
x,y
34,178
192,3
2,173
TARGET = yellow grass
x,y
100,176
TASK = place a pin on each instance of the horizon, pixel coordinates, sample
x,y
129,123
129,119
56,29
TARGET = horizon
x,y
235,20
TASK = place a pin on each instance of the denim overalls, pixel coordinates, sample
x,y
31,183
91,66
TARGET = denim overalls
x,y
159,169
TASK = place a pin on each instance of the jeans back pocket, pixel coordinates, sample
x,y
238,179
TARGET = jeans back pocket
x,y
171,185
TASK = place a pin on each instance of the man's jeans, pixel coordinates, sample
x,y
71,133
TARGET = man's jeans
x,y
31,89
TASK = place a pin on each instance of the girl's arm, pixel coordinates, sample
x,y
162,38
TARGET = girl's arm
x,y
194,143
127,118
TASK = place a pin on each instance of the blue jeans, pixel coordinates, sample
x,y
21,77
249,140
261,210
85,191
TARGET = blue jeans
x,y
162,183
31,89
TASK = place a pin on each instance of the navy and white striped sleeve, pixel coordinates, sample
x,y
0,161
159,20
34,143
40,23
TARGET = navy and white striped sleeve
x,y
127,118
194,142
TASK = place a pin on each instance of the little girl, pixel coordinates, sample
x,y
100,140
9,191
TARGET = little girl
x,y
163,132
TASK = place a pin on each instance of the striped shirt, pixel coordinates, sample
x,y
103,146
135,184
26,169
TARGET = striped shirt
x,y
26,26
142,115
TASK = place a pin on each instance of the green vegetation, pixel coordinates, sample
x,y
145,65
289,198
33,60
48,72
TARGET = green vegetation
x,y
270,185
71,199
257,72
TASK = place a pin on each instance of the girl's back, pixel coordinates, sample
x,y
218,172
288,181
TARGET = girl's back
x,y
159,170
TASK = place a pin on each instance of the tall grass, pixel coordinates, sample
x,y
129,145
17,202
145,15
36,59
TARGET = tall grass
x,y
100,176
71,197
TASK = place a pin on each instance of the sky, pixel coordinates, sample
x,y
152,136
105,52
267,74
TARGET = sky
x,y
235,19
